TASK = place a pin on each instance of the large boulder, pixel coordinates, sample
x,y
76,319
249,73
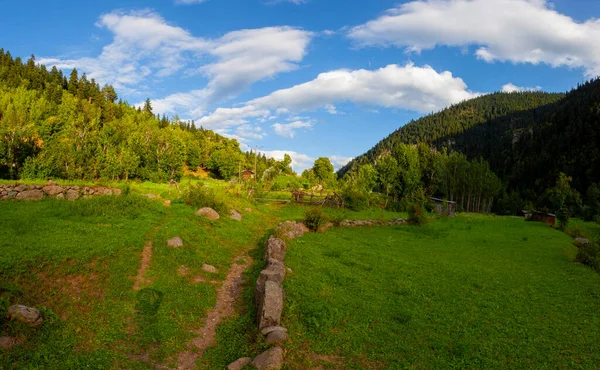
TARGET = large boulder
x,y
30,195
239,364
275,249
271,359
274,272
209,268
276,337
208,212
24,314
271,306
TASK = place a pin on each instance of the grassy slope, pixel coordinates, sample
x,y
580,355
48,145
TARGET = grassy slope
x,y
77,260
475,291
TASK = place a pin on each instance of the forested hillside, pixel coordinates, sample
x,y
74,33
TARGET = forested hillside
x,y
528,139
54,126
443,126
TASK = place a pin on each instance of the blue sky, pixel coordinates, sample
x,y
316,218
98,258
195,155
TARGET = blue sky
x,y
316,77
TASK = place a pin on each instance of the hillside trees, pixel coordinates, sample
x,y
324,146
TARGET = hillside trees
x,y
70,128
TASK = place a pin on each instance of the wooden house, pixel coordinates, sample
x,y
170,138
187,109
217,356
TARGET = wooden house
x,y
247,174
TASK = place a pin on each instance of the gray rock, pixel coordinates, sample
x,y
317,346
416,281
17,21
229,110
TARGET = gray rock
x,y
235,215
277,337
269,310
52,190
116,191
291,230
175,242
8,342
167,203
150,196
239,364
275,249
30,195
207,212
60,196
209,268
72,194
270,329
581,241
24,314
271,359
274,272
21,188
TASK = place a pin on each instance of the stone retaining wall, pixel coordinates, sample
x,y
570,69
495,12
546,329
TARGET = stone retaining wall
x,y
51,189
269,295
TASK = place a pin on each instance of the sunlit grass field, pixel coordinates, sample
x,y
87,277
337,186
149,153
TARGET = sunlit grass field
x,y
471,292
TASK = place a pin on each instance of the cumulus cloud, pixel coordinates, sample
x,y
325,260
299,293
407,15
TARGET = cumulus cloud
x,y
518,31
420,89
146,45
509,87
409,87
289,129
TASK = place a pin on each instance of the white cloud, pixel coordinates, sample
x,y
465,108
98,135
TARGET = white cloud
x,y
339,161
289,129
247,56
146,45
331,109
519,31
419,89
509,87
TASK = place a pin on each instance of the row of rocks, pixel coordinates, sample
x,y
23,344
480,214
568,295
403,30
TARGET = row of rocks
x,y
51,189
211,214
27,315
357,223
268,296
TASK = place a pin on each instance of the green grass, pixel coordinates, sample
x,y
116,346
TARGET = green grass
x,y
76,262
470,292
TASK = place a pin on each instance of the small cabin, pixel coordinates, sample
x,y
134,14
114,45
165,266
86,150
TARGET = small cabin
x,y
549,218
247,174
444,207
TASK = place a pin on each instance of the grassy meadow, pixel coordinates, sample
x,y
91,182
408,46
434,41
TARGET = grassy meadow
x,y
470,292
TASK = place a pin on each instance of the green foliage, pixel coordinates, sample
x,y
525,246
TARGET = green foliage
x,y
323,171
355,199
314,219
588,254
416,215
286,182
199,195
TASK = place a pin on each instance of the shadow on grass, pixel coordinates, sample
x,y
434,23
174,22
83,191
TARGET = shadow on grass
x,y
147,307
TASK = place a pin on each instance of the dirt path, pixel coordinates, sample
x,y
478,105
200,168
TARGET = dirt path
x,y
140,279
226,297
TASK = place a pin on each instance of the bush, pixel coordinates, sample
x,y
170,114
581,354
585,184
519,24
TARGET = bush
x,y
575,232
355,199
415,215
588,254
315,218
199,196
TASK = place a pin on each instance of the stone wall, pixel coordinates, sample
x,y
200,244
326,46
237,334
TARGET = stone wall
x,y
51,189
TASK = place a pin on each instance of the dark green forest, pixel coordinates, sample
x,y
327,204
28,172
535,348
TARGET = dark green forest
x,y
528,139
54,126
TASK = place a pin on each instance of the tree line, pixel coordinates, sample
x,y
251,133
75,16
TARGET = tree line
x,y
54,126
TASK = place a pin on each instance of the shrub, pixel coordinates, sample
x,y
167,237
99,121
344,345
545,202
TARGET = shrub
x,y
315,218
199,196
355,199
575,232
588,254
415,215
